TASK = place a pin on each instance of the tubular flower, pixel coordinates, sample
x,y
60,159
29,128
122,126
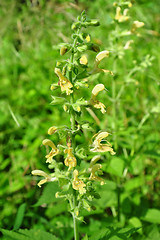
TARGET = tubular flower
x,y
52,130
95,168
65,84
93,101
99,147
53,152
100,56
70,161
78,184
135,25
47,177
121,17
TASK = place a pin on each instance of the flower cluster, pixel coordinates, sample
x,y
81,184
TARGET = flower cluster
x,y
73,75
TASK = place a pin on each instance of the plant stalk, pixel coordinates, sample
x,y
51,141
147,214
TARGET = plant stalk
x,y
73,127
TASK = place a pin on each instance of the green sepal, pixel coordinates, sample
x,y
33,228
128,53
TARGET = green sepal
x,y
82,48
82,102
81,153
93,47
87,127
75,25
92,22
64,183
59,46
57,100
86,205
82,75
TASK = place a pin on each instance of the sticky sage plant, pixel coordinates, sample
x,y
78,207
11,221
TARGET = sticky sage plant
x,y
76,183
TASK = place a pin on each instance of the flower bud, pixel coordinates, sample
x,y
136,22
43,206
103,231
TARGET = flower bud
x,y
63,50
83,60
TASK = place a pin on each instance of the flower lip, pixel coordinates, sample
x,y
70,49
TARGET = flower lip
x,y
102,55
98,88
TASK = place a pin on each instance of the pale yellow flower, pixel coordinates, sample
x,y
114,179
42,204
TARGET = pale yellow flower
x,y
65,84
127,45
70,161
98,146
135,25
83,60
100,56
53,152
95,168
121,17
47,177
93,101
52,130
88,39
78,184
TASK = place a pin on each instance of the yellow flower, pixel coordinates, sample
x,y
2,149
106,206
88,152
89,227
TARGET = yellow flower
x,y
93,101
95,168
53,152
52,130
127,45
78,184
121,17
47,177
88,39
135,25
100,56
98,146
70,161
83,60
65,84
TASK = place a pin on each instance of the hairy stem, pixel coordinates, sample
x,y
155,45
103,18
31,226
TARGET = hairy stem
x,y
73,127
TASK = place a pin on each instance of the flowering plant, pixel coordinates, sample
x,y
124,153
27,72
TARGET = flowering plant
x,y
76,183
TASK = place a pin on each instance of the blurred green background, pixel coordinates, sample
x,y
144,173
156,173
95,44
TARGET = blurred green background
x,y
29,32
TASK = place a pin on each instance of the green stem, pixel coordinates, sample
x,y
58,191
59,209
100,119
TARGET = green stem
x,y
75,222
118,201
73,127
114,124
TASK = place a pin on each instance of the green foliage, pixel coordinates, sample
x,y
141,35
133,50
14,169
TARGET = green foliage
x,y
24,234
20,216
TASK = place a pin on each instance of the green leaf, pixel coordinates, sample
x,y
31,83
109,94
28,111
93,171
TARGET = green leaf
x,y
99,235
152,215
85,237
57,100
116,166
48,195
154,233
19,216
113,234
134,183
25,234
